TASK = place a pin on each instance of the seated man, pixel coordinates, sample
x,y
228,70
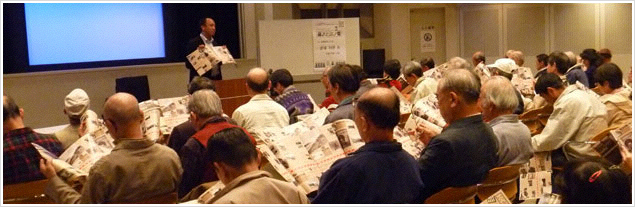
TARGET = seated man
x,y
261,111
20,158
423,86
504,67
344,83
295,101
577,116
76,104
465,151
236,162
136,169
608,77
206,115
498,100
380,171
185,130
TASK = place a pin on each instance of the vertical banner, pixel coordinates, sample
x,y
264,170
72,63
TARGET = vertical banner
x,y
329,44
428,39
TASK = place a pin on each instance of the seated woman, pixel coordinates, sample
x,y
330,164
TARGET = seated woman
x,y
591,181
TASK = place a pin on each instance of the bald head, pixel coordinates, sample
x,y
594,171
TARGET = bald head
x,y
122,109
258,80
381,106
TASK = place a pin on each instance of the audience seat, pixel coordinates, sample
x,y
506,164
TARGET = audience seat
x,y
598,137
536,119
454,195
26,193
505,178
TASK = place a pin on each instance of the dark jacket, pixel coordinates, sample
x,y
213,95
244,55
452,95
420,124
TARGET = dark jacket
x,y
378,172
461,155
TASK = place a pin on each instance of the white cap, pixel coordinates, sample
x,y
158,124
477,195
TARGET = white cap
x,y
76,102
504,64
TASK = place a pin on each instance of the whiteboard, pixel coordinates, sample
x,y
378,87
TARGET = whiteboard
x,y
289,44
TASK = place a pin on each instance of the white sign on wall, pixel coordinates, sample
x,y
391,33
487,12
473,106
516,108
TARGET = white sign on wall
x,y
428,39
329,43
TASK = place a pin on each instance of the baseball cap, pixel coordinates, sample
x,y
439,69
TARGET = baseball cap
x,y
76,102
504,64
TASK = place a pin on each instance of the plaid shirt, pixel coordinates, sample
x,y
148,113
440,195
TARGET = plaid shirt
x,y
21,162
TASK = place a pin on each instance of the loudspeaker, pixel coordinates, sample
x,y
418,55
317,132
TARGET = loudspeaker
x,y
374,62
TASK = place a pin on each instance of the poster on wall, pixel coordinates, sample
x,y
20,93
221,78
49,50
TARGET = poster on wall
x,y
428,39
329,44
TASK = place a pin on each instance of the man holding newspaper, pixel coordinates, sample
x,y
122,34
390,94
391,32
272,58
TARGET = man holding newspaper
x,y
131,172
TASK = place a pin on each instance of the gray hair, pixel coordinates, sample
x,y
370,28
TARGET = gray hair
x,y
464,82
412,67
572,59
458,63
499,91
205,103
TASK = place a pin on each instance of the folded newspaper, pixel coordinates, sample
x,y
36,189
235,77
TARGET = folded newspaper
x,y
497,198
207,58
535,177
405,107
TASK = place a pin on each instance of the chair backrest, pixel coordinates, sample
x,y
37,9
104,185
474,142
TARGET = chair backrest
x,y
169,198
26,193
454,195
137,86
505,178
598,137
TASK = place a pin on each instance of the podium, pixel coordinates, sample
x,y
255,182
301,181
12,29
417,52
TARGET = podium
x,y
232,93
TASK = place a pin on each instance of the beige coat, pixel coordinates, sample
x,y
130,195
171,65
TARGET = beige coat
x,y
619,109
255,188
135,169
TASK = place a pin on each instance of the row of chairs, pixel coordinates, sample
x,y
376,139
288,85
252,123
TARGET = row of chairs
x,y
501,178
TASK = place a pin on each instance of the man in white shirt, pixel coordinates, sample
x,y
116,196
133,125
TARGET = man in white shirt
x,y
423,86
261,111
577,116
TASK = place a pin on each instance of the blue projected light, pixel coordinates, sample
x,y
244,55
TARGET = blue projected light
x,y
86,32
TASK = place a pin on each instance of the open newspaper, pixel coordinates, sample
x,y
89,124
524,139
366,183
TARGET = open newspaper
x,y
609,146
409,143
162,115
304,150
535,177
425,113
497,198
207,58
75,162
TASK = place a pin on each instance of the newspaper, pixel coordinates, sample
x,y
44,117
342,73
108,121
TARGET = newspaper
x,y
409,143
223,54
609,146
497,198
88,149
73,176
425,113
550,198
204,60
306,149
535,176
173,112
405,107
152,114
